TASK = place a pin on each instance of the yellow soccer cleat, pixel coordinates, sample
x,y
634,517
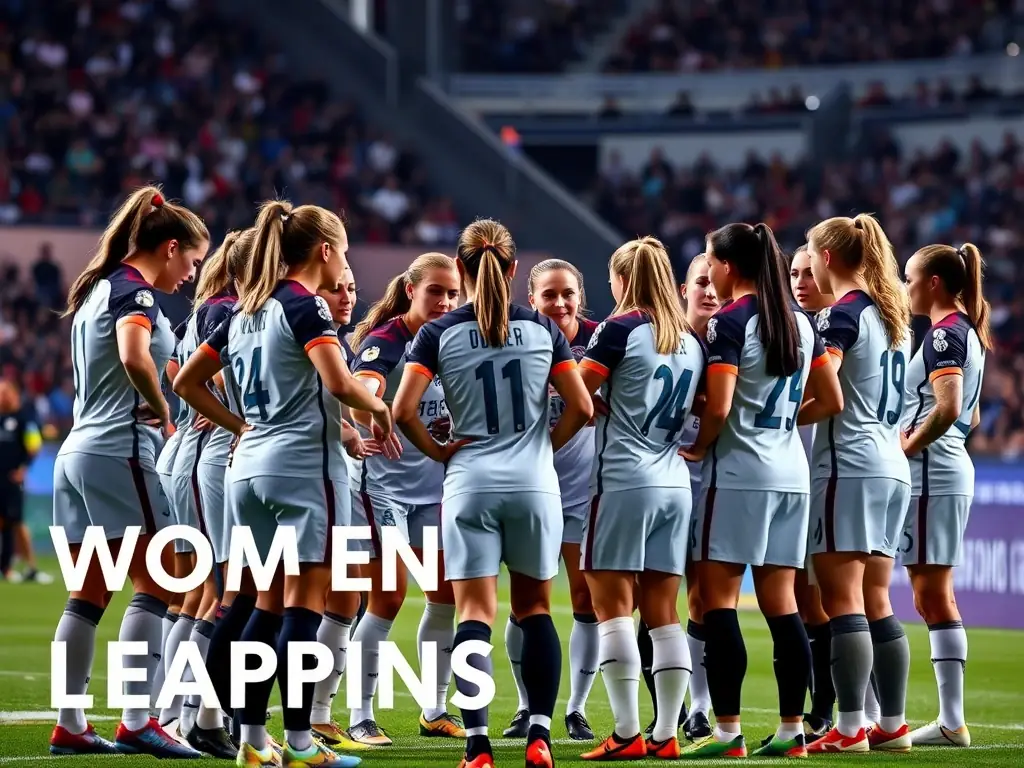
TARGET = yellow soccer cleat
x,y
336,737
446,726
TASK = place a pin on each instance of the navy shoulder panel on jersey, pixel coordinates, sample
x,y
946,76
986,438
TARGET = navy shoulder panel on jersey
x,y
945,345
559,344
131,295
608,342
213,311
217,340
579,343
383,347
426,346
727,331
307,314
839,325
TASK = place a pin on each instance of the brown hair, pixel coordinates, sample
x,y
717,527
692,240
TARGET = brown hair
x,y
861,245
550,265
487,252
141,224
961,272
396,300
649,286
283,237
223,266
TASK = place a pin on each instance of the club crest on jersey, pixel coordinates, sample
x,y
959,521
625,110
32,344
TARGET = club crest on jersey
x,y
144,298
593,339
939,342
371,354
712,332
322,309
823,319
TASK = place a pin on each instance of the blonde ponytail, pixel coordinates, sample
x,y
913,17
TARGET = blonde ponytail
x,y
977,308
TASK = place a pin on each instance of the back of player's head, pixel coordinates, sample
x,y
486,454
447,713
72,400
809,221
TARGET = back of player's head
x,y
649,285
860,246
142,224
396,300
487,255
224,266
961,273
285,237
755,255
550,265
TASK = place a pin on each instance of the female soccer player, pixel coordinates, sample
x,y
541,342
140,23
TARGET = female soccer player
x,y
501,497
405,493
753,508
818,721
556,290
105,472
860,482
287,469
943,384
647,363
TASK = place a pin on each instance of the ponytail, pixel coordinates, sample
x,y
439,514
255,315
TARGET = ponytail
x,y
395,302
975,305
143,222
776,324
882,279
265,266
214,277
493,294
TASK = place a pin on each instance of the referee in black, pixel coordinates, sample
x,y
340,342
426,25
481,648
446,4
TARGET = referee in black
x,y
14,460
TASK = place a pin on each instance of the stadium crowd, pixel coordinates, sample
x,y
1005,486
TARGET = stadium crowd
x,y
100,96
944,196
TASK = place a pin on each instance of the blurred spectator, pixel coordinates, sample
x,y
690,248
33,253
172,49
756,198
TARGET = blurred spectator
x,y
100,96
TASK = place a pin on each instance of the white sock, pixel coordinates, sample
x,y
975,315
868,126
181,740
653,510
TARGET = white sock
x,y
700,696
726,731
514,649
190,706
584,656
334,633
141,624
209,718
437,625
166,625
850,723
299,740
255,736
949,657
787,731
872,711
371,632
180,632
671,669
79,633
621,673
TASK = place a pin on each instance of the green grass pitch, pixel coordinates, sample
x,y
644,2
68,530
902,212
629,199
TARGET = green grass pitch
x,y
994,696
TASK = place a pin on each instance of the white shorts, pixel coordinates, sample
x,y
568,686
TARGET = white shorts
x,y
933,533
642,529
751,527
216,514
854,514
409,519
573,518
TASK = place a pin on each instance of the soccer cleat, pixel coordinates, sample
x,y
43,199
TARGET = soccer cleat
x,y
316,756
275,745
697,726
446,726
815,727
776,747
538,755
578,728
483,760
369,733
937,735
250,757
151,739
709,746
213,741
173,729
520,725
663,750
883,741
615,748
336,737
64,742
834,741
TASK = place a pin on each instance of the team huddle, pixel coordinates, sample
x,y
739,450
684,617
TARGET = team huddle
x,y
734,420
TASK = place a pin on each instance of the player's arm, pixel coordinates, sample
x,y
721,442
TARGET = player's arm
x,y
944,361
570,385
823,394
134,332
327,360
724,348
191,382
605,352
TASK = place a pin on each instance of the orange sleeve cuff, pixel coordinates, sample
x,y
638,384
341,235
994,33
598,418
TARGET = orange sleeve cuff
x,y
837,353
422,370
207,349
140,320
593,365
732,370
823,359
938,373
321,340
565,365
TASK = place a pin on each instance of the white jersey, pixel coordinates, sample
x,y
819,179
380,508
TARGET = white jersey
x,y
649,397
575,459
759,448
951,347
863,440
